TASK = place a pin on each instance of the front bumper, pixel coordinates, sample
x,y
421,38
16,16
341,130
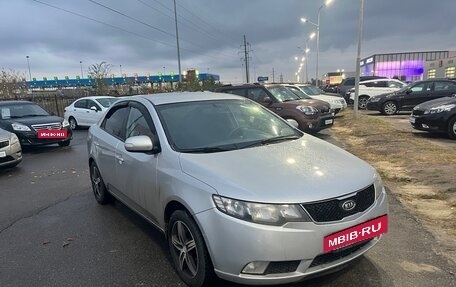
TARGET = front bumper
x,y
374,106
316,123
30,138
234,243
10,155
431,123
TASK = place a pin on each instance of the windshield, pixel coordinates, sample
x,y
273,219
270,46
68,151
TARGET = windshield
x,y
298,92
404,88
106,102
309,90
282,94
21,110
220,125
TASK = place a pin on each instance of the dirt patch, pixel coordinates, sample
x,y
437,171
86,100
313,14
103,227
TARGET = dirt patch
x,y
420,173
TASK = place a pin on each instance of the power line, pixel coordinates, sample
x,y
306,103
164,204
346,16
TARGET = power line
x,y
120,28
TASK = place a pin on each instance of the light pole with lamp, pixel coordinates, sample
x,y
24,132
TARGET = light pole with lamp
x,y
28,64
317,25
82,74
120,70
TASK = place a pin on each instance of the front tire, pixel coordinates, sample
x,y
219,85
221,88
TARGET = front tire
x,y
102,196
188,250
389,108
452,128
65,143
73,123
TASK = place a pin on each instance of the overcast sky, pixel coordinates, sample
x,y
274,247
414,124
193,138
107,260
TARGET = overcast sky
x,y
140,36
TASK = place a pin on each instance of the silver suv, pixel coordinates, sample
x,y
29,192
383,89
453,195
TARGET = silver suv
x,y
238,192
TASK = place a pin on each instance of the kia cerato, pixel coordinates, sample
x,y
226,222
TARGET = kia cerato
x,y
238,192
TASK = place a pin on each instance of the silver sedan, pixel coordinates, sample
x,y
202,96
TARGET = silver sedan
x,y
238,192
10,149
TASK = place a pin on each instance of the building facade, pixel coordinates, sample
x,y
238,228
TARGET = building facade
x,y
406,66
443,68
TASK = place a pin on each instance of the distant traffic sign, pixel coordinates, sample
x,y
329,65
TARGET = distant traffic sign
x,y
262,79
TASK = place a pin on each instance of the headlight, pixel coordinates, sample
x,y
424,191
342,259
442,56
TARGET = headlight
x,y
20,127
14,140
262,213
378,185
307,110
65,124
439,109
374,99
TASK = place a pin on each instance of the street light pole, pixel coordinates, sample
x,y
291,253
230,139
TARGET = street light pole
x,y
28,64
120,70
358,58
177,40
82,74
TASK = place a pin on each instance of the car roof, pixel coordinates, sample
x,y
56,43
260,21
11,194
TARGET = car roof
x,y
4,103
95,97
380,80
179,97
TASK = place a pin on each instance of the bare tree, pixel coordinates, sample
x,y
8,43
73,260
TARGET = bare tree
x,y
12,83
99,72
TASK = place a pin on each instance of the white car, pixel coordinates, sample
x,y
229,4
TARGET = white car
x,y
336,103
87,111
370,88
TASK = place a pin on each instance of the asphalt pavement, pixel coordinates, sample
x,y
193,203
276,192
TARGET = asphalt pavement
x,y
53,233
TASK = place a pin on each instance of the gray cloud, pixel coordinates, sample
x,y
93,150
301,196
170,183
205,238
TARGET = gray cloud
x,y
211,34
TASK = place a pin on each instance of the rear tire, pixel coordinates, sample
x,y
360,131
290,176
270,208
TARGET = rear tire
x,y
188,250
452,128
362,102
389,108
102,196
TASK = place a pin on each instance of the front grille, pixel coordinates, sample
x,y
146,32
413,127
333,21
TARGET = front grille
x,y
417,112
337,254
331,210
282,267
8,158
4,144
49,126
324,109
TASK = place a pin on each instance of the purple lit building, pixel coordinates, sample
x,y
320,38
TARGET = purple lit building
x,y
407,66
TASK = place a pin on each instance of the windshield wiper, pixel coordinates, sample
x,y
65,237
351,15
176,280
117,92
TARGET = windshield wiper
x,y
26,116
272,140
206,149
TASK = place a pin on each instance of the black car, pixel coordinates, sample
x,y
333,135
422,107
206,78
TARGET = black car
x,y
436,116
33,125
410,96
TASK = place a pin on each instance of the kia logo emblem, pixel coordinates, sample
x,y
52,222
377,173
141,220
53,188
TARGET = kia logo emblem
x,y
348,205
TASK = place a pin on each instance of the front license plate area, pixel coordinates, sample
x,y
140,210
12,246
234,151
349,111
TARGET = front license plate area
x,y
2,153
412,120
352,235
328,122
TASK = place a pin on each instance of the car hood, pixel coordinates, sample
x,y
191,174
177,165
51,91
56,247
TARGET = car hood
x,y
306,102
303,170
35,120
4,134
386,95
436,103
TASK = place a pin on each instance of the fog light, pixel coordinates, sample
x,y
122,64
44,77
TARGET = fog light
x,y
425,126
310,126
255,267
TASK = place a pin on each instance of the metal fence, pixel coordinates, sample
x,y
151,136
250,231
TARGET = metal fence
x,y
53,102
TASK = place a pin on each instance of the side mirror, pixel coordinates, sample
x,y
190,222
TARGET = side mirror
x,y
93,108
292,122
267,100
139,144
409,91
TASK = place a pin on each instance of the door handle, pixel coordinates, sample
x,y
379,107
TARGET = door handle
x,y
87,111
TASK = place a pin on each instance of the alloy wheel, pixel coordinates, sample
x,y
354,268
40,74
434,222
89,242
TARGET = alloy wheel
x,y
390,108
362,103
73,124
185,248
96,181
